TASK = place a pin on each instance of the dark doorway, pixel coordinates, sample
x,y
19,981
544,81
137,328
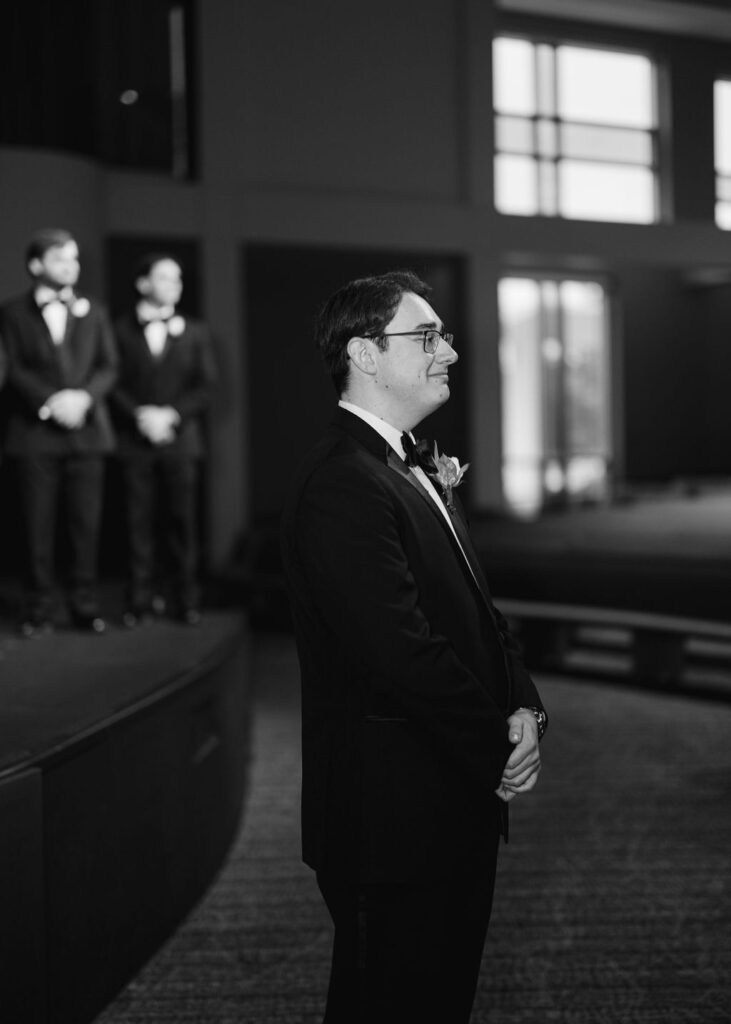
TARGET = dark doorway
x,y
291,397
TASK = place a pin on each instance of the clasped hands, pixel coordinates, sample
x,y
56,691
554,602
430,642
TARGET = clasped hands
x,y
521,770
68,407
157,422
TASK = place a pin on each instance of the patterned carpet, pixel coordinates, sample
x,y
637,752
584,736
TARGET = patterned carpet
x,y
613,903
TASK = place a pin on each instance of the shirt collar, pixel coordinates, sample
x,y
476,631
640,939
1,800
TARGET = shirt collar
x,y
390,434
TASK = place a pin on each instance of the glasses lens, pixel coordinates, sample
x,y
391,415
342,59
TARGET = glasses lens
x,y
431,341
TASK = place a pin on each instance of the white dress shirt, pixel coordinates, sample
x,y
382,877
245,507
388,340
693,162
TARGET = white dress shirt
x,y
155,327
54,310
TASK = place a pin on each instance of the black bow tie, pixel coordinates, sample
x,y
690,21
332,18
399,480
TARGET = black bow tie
x,y
418,453
65,295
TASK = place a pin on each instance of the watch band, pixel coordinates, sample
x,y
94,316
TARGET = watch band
x,y
541,719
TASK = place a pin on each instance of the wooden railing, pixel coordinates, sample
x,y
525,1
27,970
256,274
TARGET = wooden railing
x,y
667,651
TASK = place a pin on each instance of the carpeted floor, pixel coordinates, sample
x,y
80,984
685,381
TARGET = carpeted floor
x,y
613,903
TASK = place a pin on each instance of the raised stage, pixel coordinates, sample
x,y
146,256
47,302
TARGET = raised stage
x,y
123,763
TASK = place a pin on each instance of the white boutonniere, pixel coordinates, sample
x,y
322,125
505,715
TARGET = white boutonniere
x,y
80,307
448,473
176,326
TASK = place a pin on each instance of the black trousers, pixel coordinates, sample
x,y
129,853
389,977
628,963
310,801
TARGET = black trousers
x,y
161,492
406,953
80,478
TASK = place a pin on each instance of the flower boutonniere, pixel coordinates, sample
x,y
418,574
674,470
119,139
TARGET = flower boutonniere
x,y
80,307
448,473
176,326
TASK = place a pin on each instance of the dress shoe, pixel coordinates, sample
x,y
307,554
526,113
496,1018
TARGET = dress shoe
x,y
137,616
88,623
35,625
189,616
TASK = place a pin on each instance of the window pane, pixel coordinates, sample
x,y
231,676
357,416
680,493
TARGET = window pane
x,y
515,185
514,135
722,124
521,396
586,477
595,143
723,216
546,64
606,192
555,395
723,189
513,76
547,188
605,87
585,377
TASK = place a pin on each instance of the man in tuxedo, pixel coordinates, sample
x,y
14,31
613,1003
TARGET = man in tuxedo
x,y
420,722
166,377
61,362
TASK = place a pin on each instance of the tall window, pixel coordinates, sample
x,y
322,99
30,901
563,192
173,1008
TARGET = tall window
x,y
722,132
555,391
575,132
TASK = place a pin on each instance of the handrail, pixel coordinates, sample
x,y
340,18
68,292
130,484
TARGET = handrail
x,y
615,617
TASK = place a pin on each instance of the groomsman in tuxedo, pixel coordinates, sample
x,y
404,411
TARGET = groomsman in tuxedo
x,y
61,363
166,378
420,722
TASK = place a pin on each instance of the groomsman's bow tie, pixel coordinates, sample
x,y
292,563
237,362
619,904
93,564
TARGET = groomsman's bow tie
x,y
156,316
418,453
50,295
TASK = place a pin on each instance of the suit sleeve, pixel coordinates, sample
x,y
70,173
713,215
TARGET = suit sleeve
x,y
28,385
104,372
355,573
196,397
120,396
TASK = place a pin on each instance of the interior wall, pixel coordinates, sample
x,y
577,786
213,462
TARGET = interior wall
x,y
346,97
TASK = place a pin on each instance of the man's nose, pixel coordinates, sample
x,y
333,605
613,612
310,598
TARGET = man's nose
x,y
446,354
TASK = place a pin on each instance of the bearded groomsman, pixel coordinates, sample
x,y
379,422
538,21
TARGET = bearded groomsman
x,y
61,363
420,722
166,378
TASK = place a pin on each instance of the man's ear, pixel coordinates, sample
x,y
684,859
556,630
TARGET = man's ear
x,y
142,284
360,351
35,267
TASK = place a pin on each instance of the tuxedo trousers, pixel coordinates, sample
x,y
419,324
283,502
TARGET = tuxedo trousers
x,y
161,493
406,952
78,479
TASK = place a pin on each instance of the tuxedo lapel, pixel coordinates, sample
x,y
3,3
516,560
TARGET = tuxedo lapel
x,y
466,541
376,444
461,543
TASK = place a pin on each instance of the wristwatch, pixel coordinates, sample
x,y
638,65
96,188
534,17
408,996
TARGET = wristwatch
x,y
541,719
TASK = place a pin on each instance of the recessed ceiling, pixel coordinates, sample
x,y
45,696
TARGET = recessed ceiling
x,y
669,16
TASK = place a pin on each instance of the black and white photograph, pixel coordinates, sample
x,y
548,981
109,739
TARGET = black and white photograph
x,y
365,512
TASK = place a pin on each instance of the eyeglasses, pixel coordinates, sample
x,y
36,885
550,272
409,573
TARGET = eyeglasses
x,y
430,338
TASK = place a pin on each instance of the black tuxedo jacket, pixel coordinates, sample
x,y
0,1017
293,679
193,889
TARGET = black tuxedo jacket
x,y
37,368
408,672
182,376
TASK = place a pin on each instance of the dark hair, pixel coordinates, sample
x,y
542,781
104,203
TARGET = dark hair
x,y
43,240
144,265
361,308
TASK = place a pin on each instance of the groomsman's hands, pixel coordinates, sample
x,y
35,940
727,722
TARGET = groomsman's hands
x,y
68,407
523,765
157,423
